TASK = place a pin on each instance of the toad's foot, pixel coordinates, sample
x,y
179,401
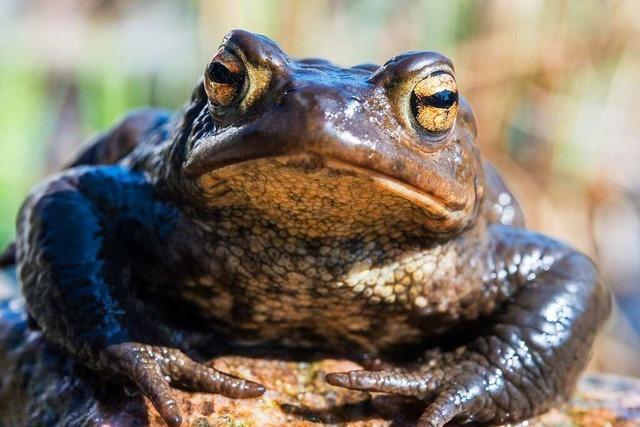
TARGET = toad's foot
x,y
155,369
457,389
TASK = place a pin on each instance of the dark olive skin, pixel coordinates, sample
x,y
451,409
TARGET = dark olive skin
x,y
300,203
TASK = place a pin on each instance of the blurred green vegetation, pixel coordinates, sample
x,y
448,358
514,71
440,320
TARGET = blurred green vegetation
x,y
23,125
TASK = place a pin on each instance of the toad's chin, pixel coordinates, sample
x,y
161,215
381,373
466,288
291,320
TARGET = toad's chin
x,y
324,196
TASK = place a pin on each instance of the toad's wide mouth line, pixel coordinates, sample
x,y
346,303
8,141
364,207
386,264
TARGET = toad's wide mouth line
x,y
432,205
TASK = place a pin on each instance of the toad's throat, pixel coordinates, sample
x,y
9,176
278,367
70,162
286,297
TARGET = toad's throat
x,y
312,195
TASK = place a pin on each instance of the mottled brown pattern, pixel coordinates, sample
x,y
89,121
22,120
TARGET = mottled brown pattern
x,y
331,239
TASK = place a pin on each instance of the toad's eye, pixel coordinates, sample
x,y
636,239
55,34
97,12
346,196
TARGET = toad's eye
x,y
434,102
224,79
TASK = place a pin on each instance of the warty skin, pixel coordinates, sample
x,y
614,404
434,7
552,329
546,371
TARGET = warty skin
x,y
300,203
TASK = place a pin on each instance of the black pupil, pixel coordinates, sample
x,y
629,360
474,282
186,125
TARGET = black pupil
x,y
220,74
442,99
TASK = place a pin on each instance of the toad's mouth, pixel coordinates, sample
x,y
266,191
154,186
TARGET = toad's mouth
x,y
328,177
435,206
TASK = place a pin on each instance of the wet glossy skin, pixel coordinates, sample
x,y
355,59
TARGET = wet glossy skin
x,y
310,205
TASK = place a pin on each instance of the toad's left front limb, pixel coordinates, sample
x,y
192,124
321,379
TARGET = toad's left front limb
x,y
529,356
83,238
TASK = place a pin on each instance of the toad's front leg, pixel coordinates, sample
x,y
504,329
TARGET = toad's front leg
x,y
529,356
77,235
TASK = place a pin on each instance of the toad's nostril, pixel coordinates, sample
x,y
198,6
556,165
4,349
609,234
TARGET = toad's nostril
x,y
285,97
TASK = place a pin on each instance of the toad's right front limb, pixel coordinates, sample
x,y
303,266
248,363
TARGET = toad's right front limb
x,y
75,238
526,356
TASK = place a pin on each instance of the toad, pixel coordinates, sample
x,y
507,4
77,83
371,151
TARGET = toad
x,y
300,203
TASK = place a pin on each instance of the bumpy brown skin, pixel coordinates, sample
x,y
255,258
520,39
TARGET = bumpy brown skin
x,y
306,204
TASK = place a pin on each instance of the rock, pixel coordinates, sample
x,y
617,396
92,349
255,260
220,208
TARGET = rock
x,y
40,386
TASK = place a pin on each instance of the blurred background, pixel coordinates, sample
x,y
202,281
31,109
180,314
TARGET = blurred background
x,y
555,85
